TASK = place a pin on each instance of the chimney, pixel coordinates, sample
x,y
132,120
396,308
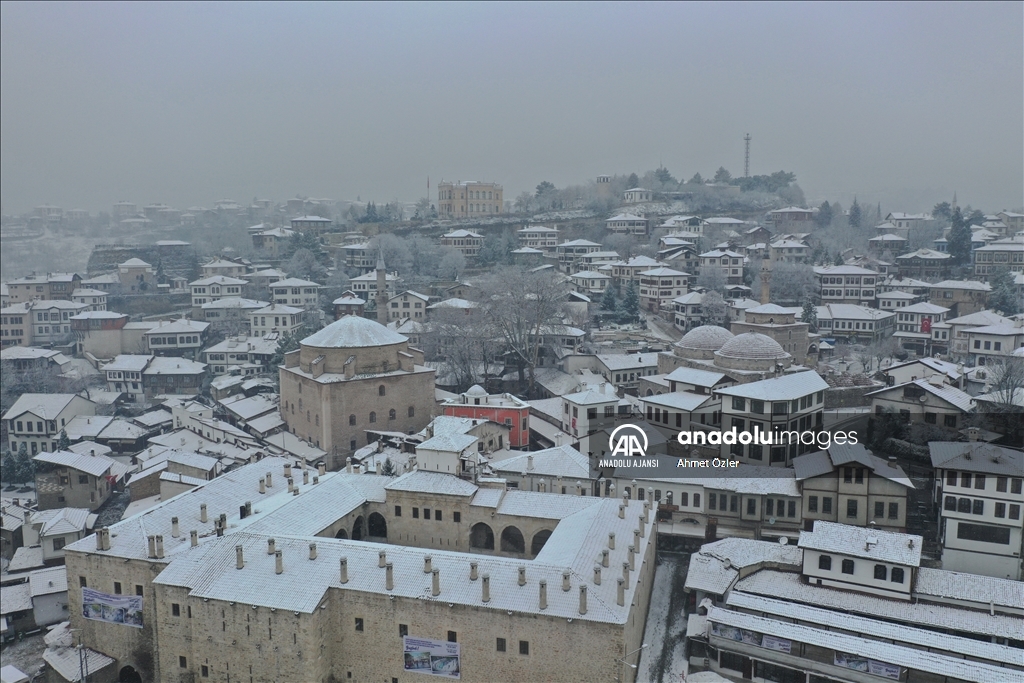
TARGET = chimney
x,y
529,462
435,582
604,557
389,577
287,470
194,537
611,490
583,598
99,539
566,585
485,588
622,511
263,485
522,575
611,540
174,528
636,537
152,546
321,469
543,594
316,480
291,485
647,510
348,466
973,433
278,562
106,538
248,508
382,558
631,554
202,513
312,551
271,546
427,562
239,559
223,523
270,480
892,461
640,528
620,597
597,575
159,547
579,488
625,573
305,476
344,569
380,468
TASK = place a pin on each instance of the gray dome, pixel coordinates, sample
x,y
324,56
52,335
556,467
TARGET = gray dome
x,y
705,338
353,332
752,346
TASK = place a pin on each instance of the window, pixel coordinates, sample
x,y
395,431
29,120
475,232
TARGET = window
x,y
731,661
979,482
524,647
769,506
182,662
847,474
978,507
1014,512
1001,484
351,420
403,630
117,588
426,513
825,562
500,645
733,503
951,478
896,576
881,572
949,420
415,513
757,407
739,403
359,623
412,411
205,671
851,508
894,510
983,533
82,582
963,505
398,511
696,500
175,609
751,506
930,418
373,417
381,390
392,414
860,475
1015,485
847,566
437,517
1000,510
58,544
812,504
456,516
453,637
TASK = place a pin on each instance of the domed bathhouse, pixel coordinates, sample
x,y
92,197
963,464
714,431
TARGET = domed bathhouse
x,y
747,357
352,376
780,324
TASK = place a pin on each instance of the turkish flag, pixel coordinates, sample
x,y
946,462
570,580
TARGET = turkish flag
x,y
926,325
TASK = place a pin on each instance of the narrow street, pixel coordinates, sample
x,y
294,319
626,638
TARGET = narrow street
x,y
665,630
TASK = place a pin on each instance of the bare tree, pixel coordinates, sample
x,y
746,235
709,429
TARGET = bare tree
x,y
714,310
712,279
461,342
452,265
791,282
523,307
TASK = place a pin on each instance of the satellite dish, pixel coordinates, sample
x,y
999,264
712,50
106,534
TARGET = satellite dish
x,y
923,399
783,540
771,520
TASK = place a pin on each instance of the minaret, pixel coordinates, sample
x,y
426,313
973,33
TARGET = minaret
x,y
953,205
766,276
382,290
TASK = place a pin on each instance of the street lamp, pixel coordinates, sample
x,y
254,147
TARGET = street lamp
x,y
622,677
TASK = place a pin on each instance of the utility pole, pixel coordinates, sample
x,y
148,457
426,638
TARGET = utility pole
x,y
746,156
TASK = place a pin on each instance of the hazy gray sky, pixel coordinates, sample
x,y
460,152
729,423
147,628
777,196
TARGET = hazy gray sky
x,y
187,104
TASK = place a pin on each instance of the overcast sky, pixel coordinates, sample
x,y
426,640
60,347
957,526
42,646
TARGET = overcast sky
x,y
187,104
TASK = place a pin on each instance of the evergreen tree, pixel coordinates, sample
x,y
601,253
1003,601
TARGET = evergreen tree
x,y
24,470
1004,297
722,176
824,217
388,468
810,315
608,300
855,215
630,311
696,179
63,442
959,239
9,467
839,259
632,181
942,210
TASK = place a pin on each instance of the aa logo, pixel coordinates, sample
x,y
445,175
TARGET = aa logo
x,y
628,440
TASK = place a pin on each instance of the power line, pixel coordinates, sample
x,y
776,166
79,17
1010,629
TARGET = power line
x,y
746,156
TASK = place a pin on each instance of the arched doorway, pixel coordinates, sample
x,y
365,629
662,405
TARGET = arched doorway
x,y
481,536
539,539
342,534
357,529
128,674
377,526
512,540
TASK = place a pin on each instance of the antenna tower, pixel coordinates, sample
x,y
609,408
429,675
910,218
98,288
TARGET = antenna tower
x,y
746,156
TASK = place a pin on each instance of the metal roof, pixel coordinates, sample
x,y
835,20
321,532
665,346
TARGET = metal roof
x,y
868,543
785,388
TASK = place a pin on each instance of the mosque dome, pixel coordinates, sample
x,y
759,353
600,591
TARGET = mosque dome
x,y
702,342
751,351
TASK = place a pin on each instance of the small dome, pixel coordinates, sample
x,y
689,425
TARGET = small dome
x,y
353,331
752,346
705,338
476,390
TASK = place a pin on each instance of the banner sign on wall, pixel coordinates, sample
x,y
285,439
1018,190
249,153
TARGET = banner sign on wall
x,y
432,657
113,609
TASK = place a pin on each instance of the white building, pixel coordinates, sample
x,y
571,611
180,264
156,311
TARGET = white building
x,y
275,318
992,343
215,287
296,292
36,420
124,375
846,284
590,282
627,224
636,195
979,489
95,299
859,324
659,286
538,237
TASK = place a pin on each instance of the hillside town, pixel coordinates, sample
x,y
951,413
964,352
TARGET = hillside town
x,y
380,430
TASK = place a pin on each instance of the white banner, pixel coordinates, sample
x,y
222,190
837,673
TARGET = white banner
x,y
778,644
866,665
113,609
432,657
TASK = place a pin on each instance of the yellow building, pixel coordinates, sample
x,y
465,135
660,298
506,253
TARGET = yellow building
x,y
468,199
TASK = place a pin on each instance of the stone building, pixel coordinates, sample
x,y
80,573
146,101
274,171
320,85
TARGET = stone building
x,y
746,357
781,325
269,587
351,376
469,199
